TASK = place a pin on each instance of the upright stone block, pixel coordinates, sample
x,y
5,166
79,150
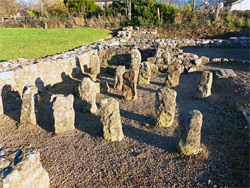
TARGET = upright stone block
x,y
88,95
165,106
63,112
173,76
135,62
94,65
129,87
190,133
119,77
144,74
111,119
205,85
28,110
22,169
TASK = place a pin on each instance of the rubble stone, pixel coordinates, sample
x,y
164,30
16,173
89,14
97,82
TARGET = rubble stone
x,y
88,95
63,112
129,87
135,62
22,169
111,119
205,85
94,65
119,77
165,106
190,133
28,110
144,74
173,76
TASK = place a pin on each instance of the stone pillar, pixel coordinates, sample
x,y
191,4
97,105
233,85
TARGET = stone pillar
x,y
63,112
144,74
205,85
119,77
190,133
173,76
88,95
135,62
94,65
111,119
22,169
28,111
129,87
165,106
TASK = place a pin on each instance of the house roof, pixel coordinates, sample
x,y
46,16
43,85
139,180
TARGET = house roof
x,y
23,13
232,2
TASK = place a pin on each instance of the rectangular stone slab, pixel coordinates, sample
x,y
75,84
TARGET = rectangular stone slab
x,y
225,73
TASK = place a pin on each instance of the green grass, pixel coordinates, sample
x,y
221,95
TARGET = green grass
x,y
35,43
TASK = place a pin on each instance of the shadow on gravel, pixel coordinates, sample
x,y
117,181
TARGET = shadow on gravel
x,y
158,84
146,89
137,117
88,123
166,143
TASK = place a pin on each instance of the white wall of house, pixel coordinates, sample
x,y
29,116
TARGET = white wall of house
x,y
244,5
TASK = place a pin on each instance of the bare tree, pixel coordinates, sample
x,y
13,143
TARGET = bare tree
x,y
8,7
127,7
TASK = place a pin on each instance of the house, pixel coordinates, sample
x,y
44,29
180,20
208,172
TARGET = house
x,y
238,4
103,4
20,13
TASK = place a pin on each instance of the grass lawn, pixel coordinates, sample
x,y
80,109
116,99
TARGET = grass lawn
x,y
35,43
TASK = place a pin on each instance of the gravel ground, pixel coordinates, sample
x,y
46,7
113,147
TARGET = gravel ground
x,y
147,156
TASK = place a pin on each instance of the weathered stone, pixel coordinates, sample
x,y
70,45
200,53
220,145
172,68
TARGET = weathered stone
x,y
205,60
28,110
22,169
129,87
153,68
165,106
191,69
144,74
205,85
111,120
190,133
225,73
152,60
94,65
63,112
119,77
135,62
88,95
102,86
173,76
